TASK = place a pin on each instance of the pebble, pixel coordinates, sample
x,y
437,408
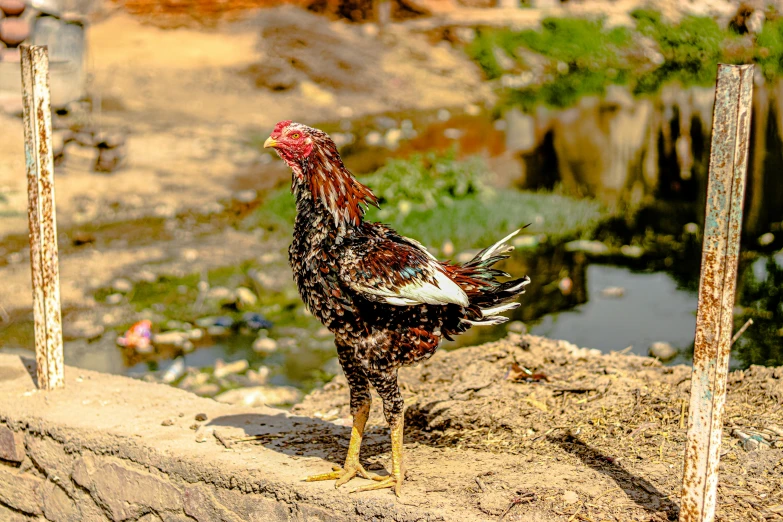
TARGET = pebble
x,y
218,320
569,497
245,297
632,251
260,396
167,422
255,321
206,390
566,286
258,377
767,239
691,228
222,368
203,433
173,339
218,331
587,246
264,345
122,285
662,350
113,299
613,291
517,327
220,294
201,417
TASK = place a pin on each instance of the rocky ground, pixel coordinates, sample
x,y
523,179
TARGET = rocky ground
x,y
588,436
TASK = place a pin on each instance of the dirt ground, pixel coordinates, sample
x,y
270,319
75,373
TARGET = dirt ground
x,y
601,437
193,104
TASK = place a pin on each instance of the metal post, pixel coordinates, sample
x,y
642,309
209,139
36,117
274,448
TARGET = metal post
x,y
41,216
720,253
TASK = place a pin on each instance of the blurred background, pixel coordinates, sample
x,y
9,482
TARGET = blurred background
x,y
589,120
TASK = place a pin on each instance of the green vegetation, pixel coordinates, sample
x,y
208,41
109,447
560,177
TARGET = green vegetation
x,y
437,198
568,58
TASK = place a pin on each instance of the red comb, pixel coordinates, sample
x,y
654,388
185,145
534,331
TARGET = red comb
x,y
280,126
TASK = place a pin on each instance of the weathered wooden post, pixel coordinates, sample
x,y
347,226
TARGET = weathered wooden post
x,y
41,216
714,321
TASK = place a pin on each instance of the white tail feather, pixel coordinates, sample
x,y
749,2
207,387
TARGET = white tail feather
x,y
495,249
495,310
494,320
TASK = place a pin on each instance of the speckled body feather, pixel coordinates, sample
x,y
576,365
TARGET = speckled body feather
x,y
388,302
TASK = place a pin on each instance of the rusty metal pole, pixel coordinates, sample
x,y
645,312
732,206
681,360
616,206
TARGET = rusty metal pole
x,y
720,254
44,260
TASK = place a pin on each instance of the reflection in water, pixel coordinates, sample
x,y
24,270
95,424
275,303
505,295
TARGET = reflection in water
x,y
761,294
625,150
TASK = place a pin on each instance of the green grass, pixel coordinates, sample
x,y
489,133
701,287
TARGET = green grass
x,y
435,199
573,57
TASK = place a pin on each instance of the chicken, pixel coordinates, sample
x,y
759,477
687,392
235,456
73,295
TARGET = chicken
x,y
387,300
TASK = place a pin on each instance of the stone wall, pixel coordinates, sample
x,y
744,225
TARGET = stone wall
x,y
109,448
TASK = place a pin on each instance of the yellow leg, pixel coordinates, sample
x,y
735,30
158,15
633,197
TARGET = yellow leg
x,y
352,466
395,479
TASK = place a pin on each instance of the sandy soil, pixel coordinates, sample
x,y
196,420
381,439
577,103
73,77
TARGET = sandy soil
x,y
602,438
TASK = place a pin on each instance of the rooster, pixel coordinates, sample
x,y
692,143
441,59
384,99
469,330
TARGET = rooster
x,y
387,300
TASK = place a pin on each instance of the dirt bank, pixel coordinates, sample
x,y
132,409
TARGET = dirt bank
x,y
597,436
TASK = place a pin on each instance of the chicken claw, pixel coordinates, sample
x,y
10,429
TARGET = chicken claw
x,y
343,475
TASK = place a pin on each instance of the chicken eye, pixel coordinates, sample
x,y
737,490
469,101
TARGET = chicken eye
x,y
295,136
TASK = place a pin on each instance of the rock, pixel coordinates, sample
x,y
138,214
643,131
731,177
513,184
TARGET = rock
x,y
57,504
264,344
632,251
220,294
767,239
122,285
167,422
113,299
206,390
245,196
245,298
204,432
663,351
517,327
258,377
255,321
260,396
20,491
566,285
201,417
172,339
193,379
124,492
11,445
222,369
691,228
587,246
613,291
219,320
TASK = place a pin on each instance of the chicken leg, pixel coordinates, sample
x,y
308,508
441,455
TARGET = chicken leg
x,y
395,479
352,465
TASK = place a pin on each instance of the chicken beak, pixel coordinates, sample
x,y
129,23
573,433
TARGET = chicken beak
x,y
270,142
